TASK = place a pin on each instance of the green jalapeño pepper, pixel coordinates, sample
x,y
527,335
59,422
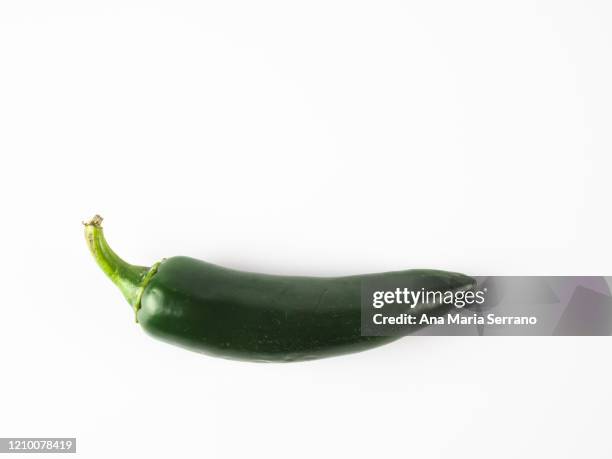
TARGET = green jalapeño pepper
x,y
249,316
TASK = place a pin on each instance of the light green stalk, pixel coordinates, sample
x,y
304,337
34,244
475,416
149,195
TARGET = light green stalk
x,y
130,279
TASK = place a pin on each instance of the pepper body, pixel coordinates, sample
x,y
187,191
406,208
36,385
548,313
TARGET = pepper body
x,y
250,316
261,317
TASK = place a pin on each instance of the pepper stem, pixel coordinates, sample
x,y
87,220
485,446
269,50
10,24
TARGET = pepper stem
x,y
129,278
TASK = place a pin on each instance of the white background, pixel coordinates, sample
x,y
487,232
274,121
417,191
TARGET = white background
x,y
322,138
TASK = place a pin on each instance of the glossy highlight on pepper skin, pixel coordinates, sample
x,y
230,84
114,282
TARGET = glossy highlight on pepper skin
x,y
250,316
